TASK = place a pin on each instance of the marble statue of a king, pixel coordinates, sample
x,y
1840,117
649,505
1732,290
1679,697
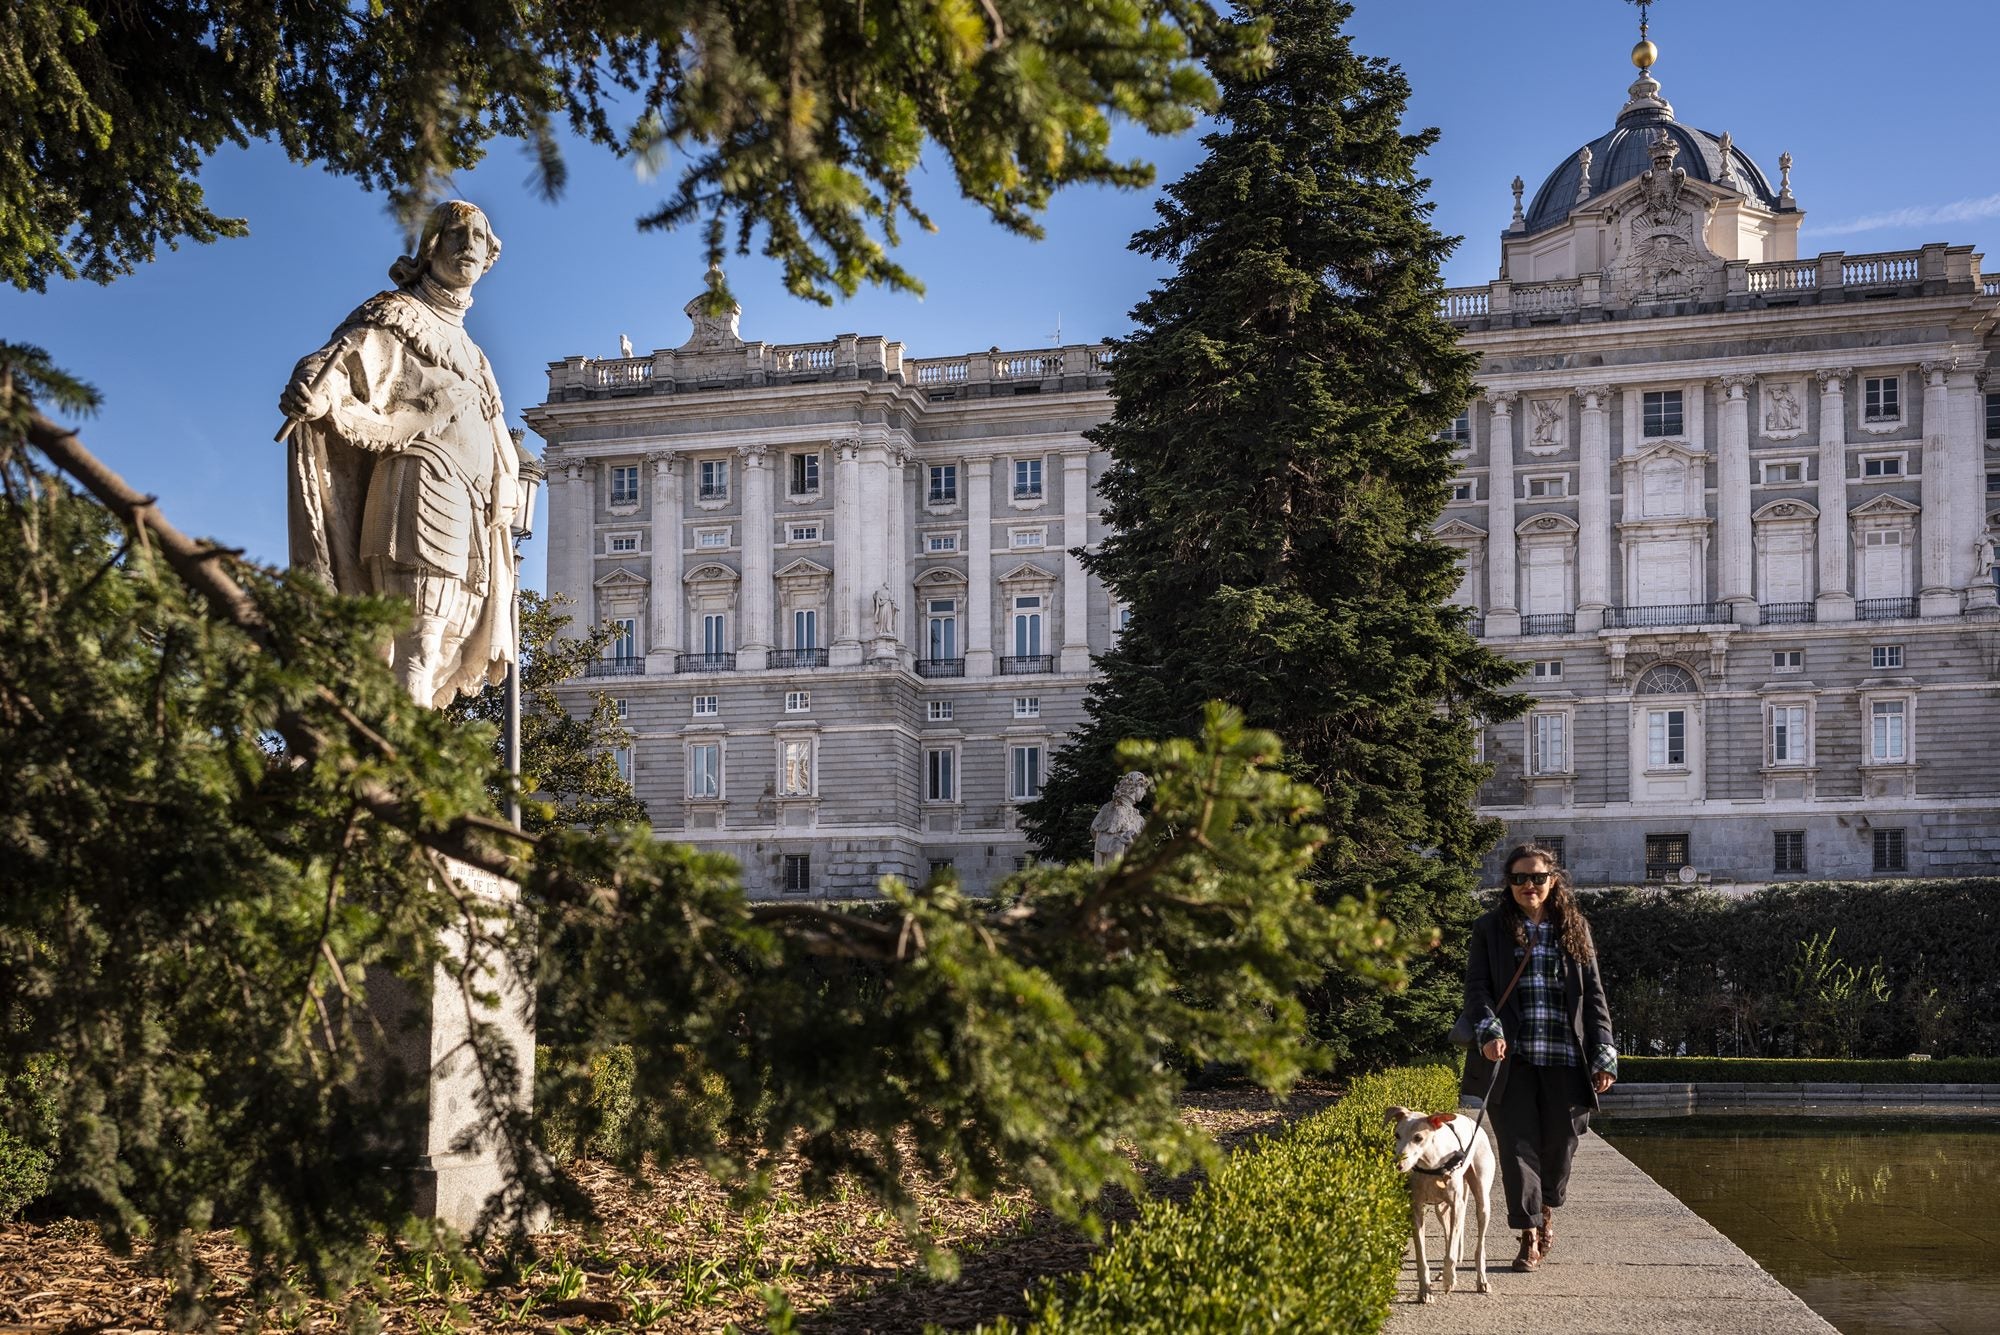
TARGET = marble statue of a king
x,y
404,481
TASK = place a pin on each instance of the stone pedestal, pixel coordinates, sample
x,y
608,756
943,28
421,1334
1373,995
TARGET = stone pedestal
x,y
454,1171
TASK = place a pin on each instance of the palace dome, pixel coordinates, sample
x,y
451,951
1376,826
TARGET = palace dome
x,y
1625,152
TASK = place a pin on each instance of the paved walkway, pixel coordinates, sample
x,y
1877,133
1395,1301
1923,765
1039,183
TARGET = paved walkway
x,y
1629,1260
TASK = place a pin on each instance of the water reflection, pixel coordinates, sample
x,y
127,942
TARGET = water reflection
x,y
1882,1226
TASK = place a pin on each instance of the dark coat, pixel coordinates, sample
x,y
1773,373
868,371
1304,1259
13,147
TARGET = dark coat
x,y
1493,959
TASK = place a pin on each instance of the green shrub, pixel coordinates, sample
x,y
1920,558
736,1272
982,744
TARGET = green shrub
x,y
587,1116
1304,1232
1802,1070
28,1136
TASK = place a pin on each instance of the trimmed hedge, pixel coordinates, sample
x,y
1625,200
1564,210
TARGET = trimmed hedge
x,y
1806,1070
1301,1233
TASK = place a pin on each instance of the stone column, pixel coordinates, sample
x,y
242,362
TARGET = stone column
x,y
978,567
896,547
582,572
1937,592
1966,451
874,531
1734,583
850,559
1836,601
1503,575
753,637
1593,511
668,608
1076,584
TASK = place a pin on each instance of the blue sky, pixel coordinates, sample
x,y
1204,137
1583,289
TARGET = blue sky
x,y
1885,108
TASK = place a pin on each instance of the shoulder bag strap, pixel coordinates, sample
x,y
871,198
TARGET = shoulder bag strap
x,y
1527,952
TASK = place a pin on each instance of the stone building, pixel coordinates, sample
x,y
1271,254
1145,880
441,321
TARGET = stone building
x,y
1728,507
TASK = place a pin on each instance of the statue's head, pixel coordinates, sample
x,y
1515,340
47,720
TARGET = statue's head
x,y
456,247
1131,788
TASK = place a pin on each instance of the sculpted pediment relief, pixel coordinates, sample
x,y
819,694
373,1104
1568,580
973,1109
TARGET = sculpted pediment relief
x,y
940,576
1779,511
1885,507
1460,531
709,574
1657,224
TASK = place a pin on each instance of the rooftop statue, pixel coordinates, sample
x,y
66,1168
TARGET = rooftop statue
x,y
404,480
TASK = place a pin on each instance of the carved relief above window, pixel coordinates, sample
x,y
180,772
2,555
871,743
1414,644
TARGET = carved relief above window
x,y
1782,408
1548,426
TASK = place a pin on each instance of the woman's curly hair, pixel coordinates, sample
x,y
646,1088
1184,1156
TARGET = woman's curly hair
x,y
1572,929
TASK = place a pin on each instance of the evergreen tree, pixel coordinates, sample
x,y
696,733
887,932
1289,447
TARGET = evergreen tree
x,y
1275,470
568,774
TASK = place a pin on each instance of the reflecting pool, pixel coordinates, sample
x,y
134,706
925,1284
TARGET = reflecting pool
x,y
1882,1224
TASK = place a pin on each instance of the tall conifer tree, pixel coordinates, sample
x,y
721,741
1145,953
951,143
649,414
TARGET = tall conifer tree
x,y
1275,471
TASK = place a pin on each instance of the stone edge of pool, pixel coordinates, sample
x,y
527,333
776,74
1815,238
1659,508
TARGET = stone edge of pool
x,y
1718,1095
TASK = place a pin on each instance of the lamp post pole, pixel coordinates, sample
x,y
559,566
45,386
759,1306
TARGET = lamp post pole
x,y
531,474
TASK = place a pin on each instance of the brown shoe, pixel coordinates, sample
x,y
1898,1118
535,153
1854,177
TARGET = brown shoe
x,y
1545,1236
1531,1255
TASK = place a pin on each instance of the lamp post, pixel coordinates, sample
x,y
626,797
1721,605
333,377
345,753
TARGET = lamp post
x,y
531,475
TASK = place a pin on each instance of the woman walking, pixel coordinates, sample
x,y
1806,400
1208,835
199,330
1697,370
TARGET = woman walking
x,y
1533,993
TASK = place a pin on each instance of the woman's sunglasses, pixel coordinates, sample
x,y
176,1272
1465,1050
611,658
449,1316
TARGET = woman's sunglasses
x,y
1530,877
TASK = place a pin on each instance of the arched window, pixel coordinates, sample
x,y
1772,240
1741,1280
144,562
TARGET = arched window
x,y
1667,679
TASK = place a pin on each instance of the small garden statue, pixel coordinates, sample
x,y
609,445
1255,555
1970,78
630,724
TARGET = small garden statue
x,y
1118,821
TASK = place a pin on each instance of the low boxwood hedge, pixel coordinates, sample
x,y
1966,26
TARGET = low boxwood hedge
x,y
1303,1232
1807,1070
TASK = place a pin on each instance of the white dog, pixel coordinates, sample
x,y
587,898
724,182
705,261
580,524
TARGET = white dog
x,y
1450,1164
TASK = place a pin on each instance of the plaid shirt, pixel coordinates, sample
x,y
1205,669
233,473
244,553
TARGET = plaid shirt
x,y
1546,1038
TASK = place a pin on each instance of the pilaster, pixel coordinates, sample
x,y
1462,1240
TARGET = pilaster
x,y
979,567
1733,583
1938,593
753,642
1835,601
896,545
850,555
664,614
1593,512
1502,554
1966,456
1076,603
582,570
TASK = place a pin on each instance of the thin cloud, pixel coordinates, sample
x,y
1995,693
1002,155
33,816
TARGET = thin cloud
x,y
1918,215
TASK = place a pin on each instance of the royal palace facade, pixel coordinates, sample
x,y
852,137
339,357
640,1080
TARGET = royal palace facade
x,y
1729,507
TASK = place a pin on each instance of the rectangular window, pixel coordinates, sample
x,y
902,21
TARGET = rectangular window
x,y
1027,773
1027,706
1666,738
941,775
1548,488
707,706
1662,412
1462,491
1884,656
795,767
1993,484
705,771
625,484
805,533
1551,842
940,542
1788,734
714,479
1788,850
941,628
938,711
624,542
1027,479
1889,851
798,873
1882,397
1121,620
1788,660
1460,430
621,760
798,702
942,869
805,474
1993,417
623,708
1666,854
1550,733
805,628
1888,742
1790,471
1027,537
1027,626
1549,669
714,633
625,639
944,484
711,537
1891,466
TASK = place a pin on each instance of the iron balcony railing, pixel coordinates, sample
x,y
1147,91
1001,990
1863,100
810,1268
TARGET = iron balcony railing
x,y
940,667
705,663
1027,665
1028,493
1673,614
1788,614
1548,623
615,667
796,658
1476,623
715,492
1885,609
1664,871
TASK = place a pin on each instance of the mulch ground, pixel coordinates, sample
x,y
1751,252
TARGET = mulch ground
x,y
670,1256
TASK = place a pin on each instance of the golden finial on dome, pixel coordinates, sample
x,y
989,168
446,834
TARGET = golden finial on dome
x,y
1645,53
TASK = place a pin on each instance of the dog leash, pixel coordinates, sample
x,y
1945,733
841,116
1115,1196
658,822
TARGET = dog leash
x,y
1451,1165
